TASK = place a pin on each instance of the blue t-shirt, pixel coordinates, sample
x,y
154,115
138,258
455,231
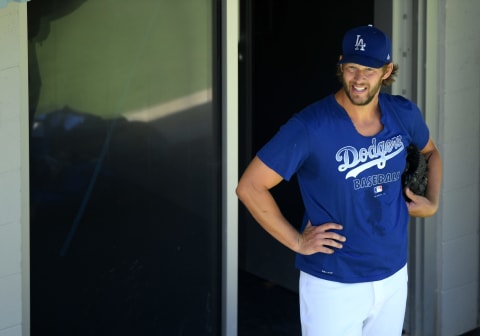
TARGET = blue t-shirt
x,y
351,179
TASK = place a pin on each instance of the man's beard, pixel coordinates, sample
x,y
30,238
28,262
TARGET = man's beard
x,y
371,93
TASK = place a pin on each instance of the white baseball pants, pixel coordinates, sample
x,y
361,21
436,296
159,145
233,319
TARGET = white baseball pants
x,y
329,308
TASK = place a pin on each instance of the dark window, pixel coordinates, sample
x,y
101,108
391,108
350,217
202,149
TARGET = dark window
x,y
125,168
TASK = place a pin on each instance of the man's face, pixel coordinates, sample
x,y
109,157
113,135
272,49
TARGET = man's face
x,y
361,83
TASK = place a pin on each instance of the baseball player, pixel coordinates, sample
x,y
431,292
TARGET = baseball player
x,y
348,151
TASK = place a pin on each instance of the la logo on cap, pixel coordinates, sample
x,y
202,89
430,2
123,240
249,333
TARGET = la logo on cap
x,y
359,44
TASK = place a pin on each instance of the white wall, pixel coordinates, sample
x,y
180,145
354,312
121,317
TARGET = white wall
x,y
437,44
14,221
459,128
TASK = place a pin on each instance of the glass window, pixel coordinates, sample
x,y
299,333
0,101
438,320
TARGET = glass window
x,y
125,168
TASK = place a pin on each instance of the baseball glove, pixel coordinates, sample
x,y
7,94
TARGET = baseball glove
x,y
415,175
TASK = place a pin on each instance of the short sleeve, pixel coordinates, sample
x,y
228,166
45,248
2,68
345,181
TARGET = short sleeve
x,y
288,148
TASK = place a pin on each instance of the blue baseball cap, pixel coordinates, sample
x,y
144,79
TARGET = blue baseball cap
x,y
367,46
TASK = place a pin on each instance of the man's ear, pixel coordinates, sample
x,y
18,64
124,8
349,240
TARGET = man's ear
x,y
388,71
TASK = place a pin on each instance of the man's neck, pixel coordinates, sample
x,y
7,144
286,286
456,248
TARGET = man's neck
x,y
365,118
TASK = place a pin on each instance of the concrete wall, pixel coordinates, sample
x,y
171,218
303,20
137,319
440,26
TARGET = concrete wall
x,y
14,274
459,130
437,45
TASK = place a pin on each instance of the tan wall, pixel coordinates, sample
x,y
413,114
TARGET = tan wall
x,y
14,274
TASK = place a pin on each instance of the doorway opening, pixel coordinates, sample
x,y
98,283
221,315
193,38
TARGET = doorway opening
x,y
288,51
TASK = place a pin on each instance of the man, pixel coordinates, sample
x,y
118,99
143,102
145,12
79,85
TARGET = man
x,y
348,151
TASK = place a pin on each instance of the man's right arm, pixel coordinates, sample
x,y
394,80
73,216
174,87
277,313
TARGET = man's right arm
x,y
254,191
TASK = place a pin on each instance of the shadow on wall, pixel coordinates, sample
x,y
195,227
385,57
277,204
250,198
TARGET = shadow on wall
x,y
40,14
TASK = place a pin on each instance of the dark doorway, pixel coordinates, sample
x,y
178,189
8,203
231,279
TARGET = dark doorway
x,y
288,52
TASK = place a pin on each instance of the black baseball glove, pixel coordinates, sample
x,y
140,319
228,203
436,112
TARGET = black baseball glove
x,y
415,175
